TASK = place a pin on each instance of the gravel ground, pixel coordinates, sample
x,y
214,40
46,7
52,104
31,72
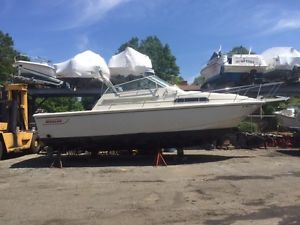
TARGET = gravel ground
x,y
207,187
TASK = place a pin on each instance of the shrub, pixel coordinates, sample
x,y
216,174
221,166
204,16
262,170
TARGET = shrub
x,y
248,127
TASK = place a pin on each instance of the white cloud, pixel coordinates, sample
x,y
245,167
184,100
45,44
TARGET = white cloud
x,y
282,20
88,12
287,24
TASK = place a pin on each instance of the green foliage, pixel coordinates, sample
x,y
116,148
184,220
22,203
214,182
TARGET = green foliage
x,y
88,102
7,55
61,104
249,127
133,43
294,101
163,61
270,108
198,80
172,79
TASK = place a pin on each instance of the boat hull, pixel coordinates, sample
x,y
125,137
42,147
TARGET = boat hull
x,y
211,70
142,141
107,128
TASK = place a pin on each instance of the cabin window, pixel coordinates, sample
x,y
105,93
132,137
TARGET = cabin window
x,y
201,99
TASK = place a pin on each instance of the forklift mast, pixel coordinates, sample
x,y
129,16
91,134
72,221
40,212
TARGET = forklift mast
x,y
17,104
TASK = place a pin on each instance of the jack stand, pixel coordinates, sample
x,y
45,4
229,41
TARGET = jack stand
x,y
57,161
160,161
180,153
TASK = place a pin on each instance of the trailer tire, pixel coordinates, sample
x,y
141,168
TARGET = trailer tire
x,y
35,144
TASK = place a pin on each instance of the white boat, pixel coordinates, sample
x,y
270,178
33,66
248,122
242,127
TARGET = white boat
x,y
283,63
129,62
224,71
145,112
289,118
37,71
80,71
282,58
220,63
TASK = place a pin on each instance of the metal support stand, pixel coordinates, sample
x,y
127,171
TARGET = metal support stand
x,y
180,153
57,162
160,161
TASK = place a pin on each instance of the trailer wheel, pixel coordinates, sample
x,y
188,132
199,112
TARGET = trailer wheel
x,y
35,144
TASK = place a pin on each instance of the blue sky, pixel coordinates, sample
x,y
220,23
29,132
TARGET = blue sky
x,y
59,29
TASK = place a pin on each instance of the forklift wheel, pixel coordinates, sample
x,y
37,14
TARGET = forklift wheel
x,y
3,154
1,150
35,144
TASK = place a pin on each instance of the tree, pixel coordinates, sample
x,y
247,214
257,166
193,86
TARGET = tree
x,y
61,104
7,56
198,80
133,43
163,61
88,102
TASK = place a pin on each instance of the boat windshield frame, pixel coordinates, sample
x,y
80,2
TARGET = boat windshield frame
x,y
150,83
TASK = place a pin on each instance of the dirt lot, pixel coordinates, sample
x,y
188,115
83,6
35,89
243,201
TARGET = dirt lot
x,y
209,187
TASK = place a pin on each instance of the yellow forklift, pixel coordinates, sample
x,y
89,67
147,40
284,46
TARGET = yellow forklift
x,y
15,134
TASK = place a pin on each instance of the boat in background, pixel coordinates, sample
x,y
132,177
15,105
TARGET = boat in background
x,y
128,65
238,70
145,112
36,72
283,64
279,64
289,118
129,62
220,63
80,71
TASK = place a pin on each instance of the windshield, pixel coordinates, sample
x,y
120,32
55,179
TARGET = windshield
x,y
162,82
145,83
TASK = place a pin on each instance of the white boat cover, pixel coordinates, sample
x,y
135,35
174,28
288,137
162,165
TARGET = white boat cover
x,y
82,65
282,57
129,62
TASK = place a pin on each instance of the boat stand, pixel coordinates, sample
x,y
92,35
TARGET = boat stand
x,y
57,162
159,160
180,153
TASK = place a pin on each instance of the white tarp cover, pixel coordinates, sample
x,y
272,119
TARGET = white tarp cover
x,y
282,57
82,65
129,62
